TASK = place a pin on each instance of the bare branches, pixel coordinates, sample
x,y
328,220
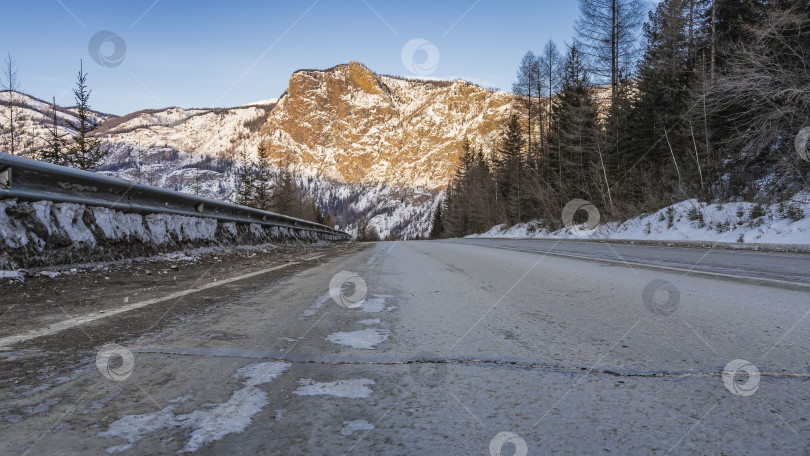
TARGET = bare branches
x,y
12,106
763,87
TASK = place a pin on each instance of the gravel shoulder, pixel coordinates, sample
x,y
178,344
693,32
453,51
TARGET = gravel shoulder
x,y
93,289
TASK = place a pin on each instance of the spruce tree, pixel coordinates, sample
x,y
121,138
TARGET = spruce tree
x,y
665,79
261,183
436,227
510,168
575,139
85,152
245,179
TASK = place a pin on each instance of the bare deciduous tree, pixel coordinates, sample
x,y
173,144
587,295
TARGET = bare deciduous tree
x,y
773,70
12,106
608,31
528,87
55,144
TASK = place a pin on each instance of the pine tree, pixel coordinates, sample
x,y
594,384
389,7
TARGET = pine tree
x,y
665,79
245,178
197,188
575,141
287,197
85,152
436,226
470,202
318,216
510,169
262,190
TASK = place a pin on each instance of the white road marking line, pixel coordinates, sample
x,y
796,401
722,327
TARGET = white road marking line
x,y
7,342
653,266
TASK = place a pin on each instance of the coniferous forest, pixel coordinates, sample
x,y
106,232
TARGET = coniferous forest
x,y
693,99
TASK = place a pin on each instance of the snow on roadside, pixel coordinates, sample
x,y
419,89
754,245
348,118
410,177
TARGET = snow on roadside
x,y
12,275
353,388
691,220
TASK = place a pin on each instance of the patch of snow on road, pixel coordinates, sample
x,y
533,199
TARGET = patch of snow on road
x,y
350,427
375,304
133,428
353,388
365,338
370,321
208,425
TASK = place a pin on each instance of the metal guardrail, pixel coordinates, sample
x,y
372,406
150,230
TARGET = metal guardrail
x,y
32,180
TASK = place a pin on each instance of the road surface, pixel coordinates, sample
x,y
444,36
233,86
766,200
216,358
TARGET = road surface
x,y
458,347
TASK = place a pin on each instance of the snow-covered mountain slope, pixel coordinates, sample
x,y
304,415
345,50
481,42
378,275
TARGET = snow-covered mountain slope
x,y
354,126
691,220
362,144
34,119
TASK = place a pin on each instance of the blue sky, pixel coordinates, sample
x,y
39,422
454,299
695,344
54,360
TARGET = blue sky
x,y
219,53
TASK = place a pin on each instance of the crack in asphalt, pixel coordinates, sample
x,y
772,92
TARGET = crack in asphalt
x,y
229,353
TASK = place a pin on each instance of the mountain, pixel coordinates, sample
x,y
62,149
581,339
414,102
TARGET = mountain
x,y
350,124
361,143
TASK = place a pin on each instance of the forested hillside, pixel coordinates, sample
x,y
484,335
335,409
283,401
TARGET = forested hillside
x,y
695,99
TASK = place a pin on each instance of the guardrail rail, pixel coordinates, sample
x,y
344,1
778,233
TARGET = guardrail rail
x,y
32,180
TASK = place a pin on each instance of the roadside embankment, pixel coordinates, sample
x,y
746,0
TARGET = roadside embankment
x,y
44,233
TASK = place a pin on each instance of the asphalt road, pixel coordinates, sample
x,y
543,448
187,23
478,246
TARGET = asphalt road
x,y
459,347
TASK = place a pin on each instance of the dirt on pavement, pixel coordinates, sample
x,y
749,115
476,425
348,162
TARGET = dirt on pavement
x,y
94,289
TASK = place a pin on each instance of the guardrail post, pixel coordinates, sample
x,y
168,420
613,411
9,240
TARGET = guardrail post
x,y
5,178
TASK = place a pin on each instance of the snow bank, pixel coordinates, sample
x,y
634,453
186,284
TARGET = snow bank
x,y
691,220
43,233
